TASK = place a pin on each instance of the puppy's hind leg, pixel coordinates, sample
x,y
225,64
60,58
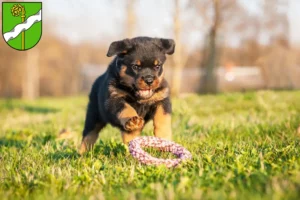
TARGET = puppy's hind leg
x,y
162,120
91,130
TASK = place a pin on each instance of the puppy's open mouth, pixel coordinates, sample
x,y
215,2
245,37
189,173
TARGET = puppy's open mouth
x,y
145,94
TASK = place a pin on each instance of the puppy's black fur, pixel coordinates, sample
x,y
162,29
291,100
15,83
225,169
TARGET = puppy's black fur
x,y
132,91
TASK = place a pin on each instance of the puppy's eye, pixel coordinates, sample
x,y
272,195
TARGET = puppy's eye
x,y
135,67
157,67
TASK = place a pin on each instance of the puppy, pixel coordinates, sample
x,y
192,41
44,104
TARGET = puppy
x,y
131,92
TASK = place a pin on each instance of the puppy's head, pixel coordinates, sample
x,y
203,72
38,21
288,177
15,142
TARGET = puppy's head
x,y
141,62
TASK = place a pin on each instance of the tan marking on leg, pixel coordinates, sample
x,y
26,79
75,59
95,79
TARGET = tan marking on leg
x,y
138,62
127,113
89,140
162,124
128,136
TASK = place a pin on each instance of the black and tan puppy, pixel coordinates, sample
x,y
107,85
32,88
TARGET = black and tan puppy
x,y
131,92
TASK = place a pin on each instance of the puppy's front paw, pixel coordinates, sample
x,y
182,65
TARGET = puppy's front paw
x,y
134,123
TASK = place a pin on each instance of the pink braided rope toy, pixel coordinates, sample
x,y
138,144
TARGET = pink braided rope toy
x,y
135,148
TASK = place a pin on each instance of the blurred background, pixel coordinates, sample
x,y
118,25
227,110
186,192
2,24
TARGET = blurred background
x,y
221,45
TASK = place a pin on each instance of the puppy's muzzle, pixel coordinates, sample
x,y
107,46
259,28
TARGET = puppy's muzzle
x,y
148,79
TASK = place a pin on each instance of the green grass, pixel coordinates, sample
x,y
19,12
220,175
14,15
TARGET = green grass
x,y
244,146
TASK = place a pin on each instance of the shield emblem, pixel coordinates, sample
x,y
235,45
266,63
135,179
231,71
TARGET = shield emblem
x,y
22,24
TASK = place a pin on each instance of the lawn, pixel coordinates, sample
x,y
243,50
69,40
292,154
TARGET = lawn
x,y
244,146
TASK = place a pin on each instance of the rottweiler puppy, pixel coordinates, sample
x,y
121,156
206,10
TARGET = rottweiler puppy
x,y
131,92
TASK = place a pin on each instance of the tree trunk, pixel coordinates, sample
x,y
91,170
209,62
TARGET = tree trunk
x,y
31,76
177,57
131,19
210,84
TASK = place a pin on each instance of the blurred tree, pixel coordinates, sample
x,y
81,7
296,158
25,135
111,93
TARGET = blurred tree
x,y
216,15
259,35
31,75
131,19
10,68
60,70
181,57
210,60
13,69
277,58
256,33
275,19
177,57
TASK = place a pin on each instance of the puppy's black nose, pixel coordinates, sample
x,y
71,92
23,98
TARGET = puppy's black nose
x,y
148,79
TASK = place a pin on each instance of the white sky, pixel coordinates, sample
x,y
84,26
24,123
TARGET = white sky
x,y
103,20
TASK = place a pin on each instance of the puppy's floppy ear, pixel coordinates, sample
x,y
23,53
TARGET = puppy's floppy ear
x,y
119,47
167,45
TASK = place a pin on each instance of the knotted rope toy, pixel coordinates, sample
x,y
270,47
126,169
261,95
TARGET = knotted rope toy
x,y
135,149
